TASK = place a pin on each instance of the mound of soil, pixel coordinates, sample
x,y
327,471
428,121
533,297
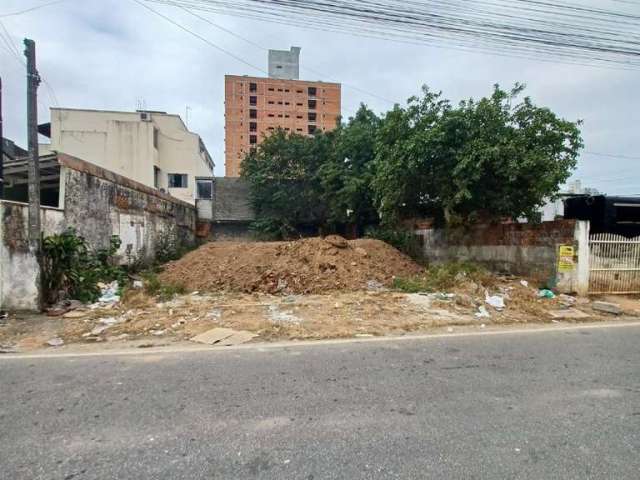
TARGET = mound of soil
x,y
312,265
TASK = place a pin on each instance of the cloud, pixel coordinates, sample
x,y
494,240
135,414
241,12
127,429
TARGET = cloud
x,y
111,54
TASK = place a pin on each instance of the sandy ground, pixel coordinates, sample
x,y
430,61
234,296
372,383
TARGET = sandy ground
x,y
144,321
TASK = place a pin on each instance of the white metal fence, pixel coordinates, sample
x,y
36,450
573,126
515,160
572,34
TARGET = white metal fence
x,y
614,264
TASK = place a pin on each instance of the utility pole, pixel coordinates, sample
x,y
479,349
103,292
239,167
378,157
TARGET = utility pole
x,y
33,80
1,148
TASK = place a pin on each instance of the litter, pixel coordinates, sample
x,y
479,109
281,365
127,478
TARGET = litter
x,y
223,337
546,293
55,342
482,312
108,321
109,293
524,283
97,330
496,301
138,284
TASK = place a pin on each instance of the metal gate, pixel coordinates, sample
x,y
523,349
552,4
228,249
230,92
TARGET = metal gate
x,y
614,264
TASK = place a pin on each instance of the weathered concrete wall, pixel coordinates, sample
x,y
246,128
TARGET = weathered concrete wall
x,y
19,269
520,249
99,204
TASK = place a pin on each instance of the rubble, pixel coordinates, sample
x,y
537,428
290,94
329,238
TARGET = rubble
x,y
224,337
568,314
55,342
311,265
607,307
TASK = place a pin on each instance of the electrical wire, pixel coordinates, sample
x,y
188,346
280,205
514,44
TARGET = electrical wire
x,y
31,9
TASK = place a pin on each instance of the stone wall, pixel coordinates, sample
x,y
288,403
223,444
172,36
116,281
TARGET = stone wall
x,y
19,269
99,204
530,250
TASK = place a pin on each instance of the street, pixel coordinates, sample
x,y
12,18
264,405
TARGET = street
x,y
544,405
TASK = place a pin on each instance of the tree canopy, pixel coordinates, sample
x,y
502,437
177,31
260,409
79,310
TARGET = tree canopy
x,y
500,156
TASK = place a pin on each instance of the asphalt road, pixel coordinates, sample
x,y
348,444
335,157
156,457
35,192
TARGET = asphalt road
x,y
557,405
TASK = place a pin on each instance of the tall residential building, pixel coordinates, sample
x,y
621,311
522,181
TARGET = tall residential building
x,y
153,148
256,106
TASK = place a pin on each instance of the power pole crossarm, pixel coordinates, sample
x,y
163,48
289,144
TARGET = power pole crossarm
x,y
33,80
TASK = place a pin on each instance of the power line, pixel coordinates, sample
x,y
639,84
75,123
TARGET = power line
x,y
564,32
27,10
208,42
612,155
252,43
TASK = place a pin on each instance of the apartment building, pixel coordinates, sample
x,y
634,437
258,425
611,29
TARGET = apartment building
x,y
256,106
153,148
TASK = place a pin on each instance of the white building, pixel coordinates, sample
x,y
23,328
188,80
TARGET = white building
x,y
153,148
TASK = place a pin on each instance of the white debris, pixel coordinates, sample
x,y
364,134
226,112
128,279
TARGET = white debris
x,y
279,316
496,301
55,342
98,330
524,283
482,312
138,284
108,321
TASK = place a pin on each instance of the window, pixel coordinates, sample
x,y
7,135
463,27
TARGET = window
x,y
299,91
279,89
299,104
299,116
286,115
279,115
156,133
271,89
253,113
270,128
299,129
311,91
271,115
279,103
312,116
271,102
177,180
253,100
156,177
311,128
286,90
286,103
312,104
253,87
253,139
204,189
253,126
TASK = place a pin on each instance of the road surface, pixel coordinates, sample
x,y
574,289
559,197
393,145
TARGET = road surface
x,y
553,405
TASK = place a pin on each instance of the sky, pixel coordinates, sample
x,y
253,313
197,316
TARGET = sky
x,y
116,55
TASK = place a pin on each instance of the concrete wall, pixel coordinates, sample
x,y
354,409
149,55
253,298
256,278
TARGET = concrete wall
x,y
123,143
285,63
99,204
521,249
19,269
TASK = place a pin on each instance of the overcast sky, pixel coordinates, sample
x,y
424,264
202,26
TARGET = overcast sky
x,y
110,54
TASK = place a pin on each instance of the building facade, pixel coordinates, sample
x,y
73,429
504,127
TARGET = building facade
x,y
285,64
155,149
255,107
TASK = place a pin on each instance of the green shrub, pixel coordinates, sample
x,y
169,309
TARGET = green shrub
x,y
164,291
71,269
443,277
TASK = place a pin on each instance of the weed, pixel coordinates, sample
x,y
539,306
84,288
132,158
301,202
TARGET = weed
x,y
164,291
443,277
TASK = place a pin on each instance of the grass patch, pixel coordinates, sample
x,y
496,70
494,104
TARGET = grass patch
x,y
164,291
438,278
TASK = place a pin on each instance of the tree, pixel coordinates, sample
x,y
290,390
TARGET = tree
x,y
285,187
347,175
491,158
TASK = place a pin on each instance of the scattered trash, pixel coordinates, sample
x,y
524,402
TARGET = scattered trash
x,y
445,297
75,314
375,286
3,314
449,329
607,307
55,342
108,321
546,293
567,314
482,312
157,332
223,337
278,316
567,300
363,335
8,349
138,284
109,293
62,307
215,313
482,325
496,301
97,330
524,283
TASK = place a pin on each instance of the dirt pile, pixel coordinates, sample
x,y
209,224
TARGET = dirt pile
x,y
312,265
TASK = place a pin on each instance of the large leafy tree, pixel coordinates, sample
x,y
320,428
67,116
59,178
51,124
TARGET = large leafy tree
x,y
284,182
347,175
496,157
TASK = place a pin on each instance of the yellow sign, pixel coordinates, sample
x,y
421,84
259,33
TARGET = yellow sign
x,y
566,258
